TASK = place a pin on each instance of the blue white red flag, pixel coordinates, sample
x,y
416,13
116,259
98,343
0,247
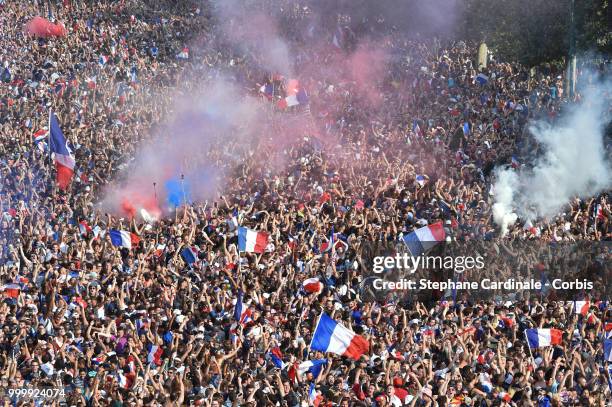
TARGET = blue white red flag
x,y
242,312
312,366
184,54
277,358
538,338
155,354
423,239
62,154
331,336
515,162
190,255
314,396
84,228
299,98
123,238
267,90
416,129
251,241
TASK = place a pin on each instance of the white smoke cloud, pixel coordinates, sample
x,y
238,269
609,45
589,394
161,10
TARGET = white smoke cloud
x,y
505,186
572,164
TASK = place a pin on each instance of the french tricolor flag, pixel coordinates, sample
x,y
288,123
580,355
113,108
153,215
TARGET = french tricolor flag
x,y
582,307
84,228
314,397
184,54
40,135
277,358
11,290
330,336
268,90
598,213
155,354
423,239
538,338
123,238
515,162
312,285
312,366
190,255
535,231
64,160
123,381
505,396
252,241
39,139
299,98
416,129
485,382
242,313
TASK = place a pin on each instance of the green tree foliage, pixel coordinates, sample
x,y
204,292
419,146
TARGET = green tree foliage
x,y
536,31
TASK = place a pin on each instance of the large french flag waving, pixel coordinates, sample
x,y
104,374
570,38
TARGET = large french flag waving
x,y
123,238
538,338
62,155
423,239
330,336
251,241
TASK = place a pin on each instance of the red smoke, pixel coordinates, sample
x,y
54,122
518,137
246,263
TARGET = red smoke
x,y
366,66
41,27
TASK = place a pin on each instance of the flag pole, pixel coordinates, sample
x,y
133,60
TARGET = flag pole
x,y
49,133
155,192
183,189
315,330
529,347
239,267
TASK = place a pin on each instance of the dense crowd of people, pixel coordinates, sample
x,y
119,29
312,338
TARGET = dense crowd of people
x,y
412,145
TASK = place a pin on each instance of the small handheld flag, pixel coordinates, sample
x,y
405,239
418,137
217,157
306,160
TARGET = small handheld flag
x,y
190,255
